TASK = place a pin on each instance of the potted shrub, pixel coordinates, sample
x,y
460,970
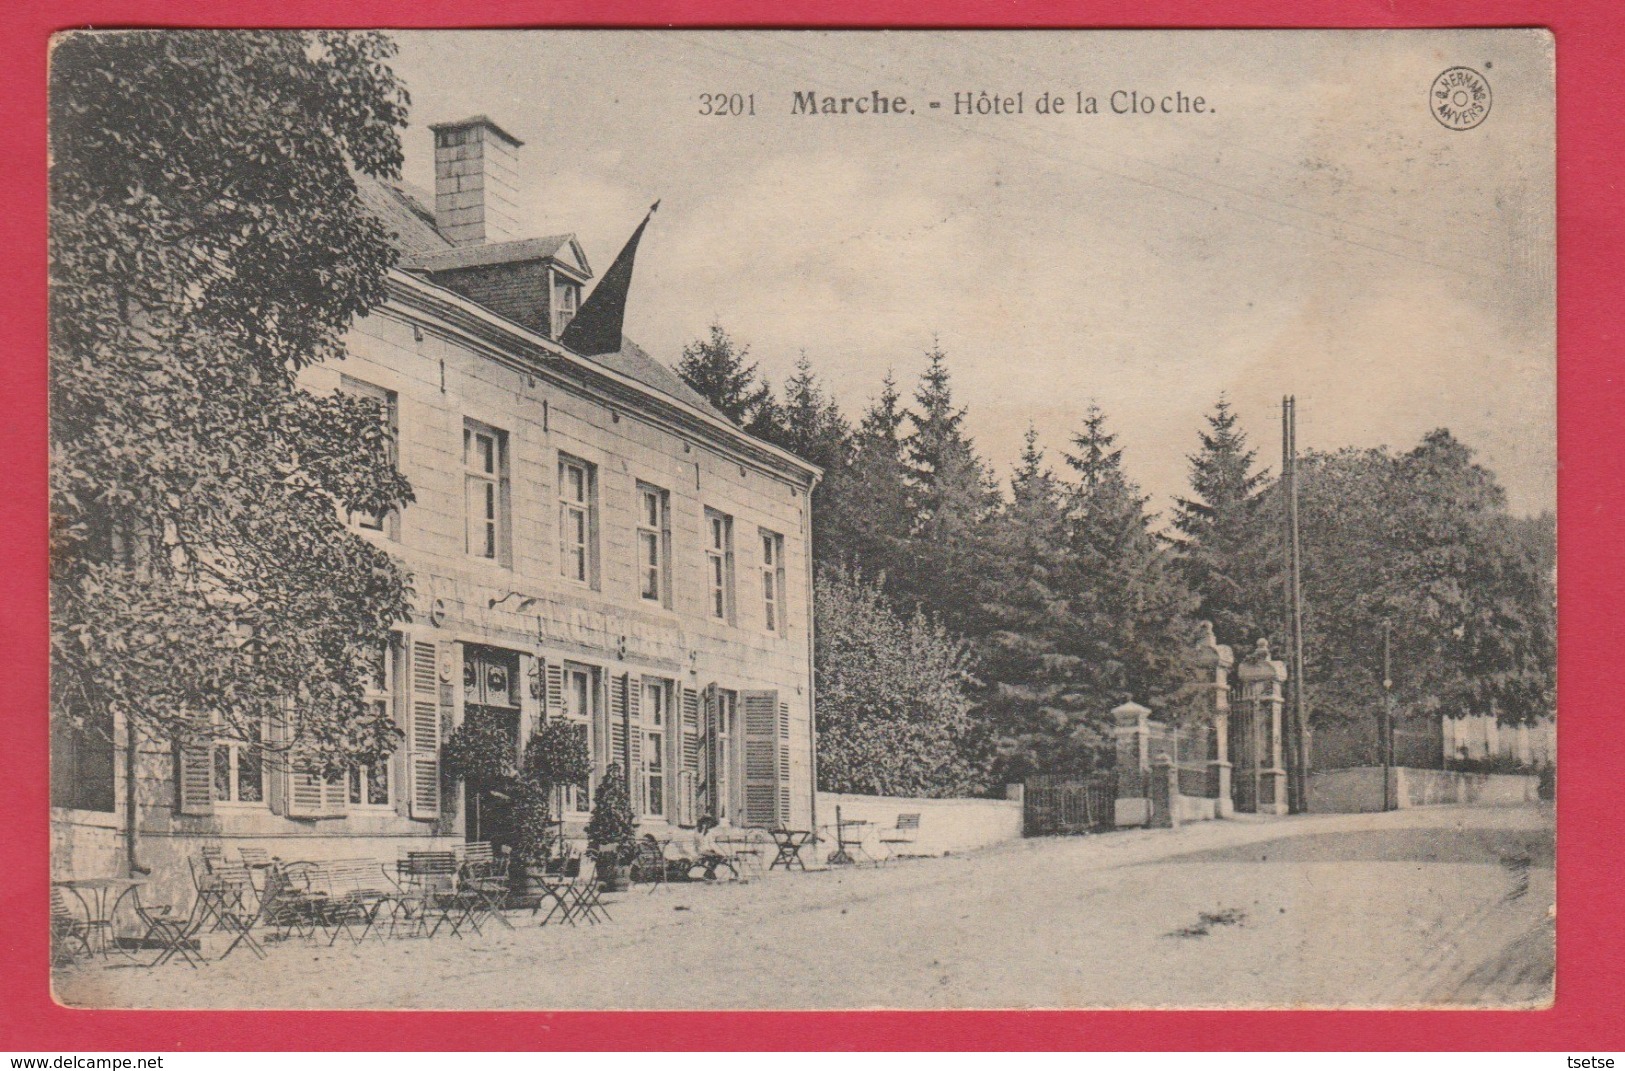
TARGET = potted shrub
x,y
555,756
612,831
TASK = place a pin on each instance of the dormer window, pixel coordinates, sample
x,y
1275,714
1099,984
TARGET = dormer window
x,y
566,300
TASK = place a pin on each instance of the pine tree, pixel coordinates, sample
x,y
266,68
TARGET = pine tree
x,y
868,513
810,425
1130,623
954,497
1226,556
719,369
1029,705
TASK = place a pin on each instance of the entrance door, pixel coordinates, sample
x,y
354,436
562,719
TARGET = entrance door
x,y
491,703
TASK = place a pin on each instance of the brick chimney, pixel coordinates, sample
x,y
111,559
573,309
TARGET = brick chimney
x,y
475,176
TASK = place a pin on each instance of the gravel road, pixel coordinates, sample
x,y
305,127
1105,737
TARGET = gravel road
x,y
1429,907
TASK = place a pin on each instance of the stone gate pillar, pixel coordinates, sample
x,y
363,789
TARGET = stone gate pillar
x,y
1262,700
1212,662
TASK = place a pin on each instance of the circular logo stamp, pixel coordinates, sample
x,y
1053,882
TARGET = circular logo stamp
x,y
1460,98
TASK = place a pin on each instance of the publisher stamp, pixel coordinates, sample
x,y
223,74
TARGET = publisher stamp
x,y
1460,98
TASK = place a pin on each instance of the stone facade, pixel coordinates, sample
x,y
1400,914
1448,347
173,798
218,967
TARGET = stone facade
x,y
540,478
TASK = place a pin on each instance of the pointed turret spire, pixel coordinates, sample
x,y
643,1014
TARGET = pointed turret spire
x,y
596,329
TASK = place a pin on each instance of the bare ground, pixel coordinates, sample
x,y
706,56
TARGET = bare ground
x,y
1430,907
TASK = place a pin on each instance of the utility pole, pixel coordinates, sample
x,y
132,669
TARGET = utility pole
x,y
1298,736
1386,743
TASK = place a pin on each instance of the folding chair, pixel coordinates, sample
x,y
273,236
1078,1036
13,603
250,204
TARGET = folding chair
x,y
258,861
557,883
231,896
354,898
288,901
221,898
485,877
429,888
585,895
904,834
68,930
174,934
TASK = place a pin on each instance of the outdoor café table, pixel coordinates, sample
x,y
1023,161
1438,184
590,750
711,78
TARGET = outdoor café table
x,y
100,897
789,842
849,836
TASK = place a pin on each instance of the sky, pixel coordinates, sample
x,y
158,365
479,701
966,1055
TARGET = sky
x,y
1314,231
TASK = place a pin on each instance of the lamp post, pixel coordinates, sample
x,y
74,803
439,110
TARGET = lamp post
x,y
1387,742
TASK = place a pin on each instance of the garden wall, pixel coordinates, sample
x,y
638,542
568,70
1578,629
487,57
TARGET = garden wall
x,y
946,826
1360,788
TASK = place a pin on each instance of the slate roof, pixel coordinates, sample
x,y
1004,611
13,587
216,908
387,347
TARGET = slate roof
x,y
401,209
473,256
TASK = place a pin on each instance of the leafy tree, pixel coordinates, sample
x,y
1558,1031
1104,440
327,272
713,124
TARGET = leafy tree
x,y
207,243
1130,625
1223,558
1423,540
721,371
893,696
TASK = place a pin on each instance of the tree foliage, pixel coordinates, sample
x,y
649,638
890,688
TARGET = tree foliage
x,y
208,243
720,370
1225,556
1422,540
894,711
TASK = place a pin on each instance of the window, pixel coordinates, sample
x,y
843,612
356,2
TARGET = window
x,y
578,521
369,783
566,300
239,772
719,565
653,714
718,792
485,466
580,706
81,754
773,580
654,541
389,521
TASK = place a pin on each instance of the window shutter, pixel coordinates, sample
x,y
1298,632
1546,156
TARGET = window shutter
x,y
423,729
307,794
761,758
691,730
194,777
634,766
617,723
784,764
335,797
688,773
553,675
685,797
709,761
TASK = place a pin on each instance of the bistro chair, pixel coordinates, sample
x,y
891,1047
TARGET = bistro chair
x,y
70,934
171,933
429,896
557,882
585,896
484,877
903,835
